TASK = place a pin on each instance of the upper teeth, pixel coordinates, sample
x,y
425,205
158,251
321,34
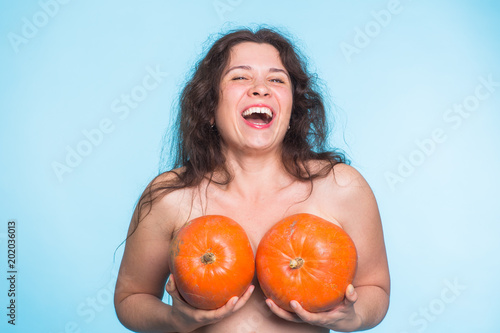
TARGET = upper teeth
x,y
257,110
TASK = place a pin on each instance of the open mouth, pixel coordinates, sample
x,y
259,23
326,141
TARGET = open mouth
x,y
258,115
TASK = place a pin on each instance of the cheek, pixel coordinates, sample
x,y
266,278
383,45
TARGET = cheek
x,y
229,99
225,115
285,98
229,96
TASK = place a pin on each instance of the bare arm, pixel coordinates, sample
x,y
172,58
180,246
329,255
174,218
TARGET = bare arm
x,y
144,271
143,274
360,218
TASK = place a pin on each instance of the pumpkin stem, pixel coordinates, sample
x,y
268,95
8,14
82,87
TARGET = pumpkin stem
x,y
296,263
208,258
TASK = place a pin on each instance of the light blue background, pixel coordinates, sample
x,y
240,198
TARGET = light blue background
x,y
441,221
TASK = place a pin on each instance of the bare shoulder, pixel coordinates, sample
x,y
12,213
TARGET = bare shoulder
x,y
347,176
342,180
162,207
346,196
350,185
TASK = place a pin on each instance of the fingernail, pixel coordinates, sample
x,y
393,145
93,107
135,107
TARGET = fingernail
x,y
350,289
293,304
269,304
235,301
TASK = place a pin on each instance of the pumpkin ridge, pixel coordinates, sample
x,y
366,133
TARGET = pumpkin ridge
x,y
307,271
280,252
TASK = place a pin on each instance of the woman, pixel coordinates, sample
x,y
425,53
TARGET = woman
x,y
252,136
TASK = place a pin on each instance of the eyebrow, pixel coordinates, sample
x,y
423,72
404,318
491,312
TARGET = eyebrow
x,y
246,67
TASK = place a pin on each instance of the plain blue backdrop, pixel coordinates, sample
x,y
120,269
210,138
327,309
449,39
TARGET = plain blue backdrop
x,y
86,96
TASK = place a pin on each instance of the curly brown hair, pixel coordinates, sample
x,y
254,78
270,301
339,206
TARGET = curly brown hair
x,y
198,144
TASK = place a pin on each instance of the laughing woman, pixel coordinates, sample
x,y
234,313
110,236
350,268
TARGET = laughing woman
x,y
252,134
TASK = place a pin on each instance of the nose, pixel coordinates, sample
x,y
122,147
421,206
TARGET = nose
x,y
260,88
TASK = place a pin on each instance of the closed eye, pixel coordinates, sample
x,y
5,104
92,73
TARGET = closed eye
x,y
238,78
277,80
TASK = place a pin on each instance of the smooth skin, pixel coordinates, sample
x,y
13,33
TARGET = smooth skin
x,y
260,194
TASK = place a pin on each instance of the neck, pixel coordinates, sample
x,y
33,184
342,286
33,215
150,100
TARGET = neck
x,y
257,176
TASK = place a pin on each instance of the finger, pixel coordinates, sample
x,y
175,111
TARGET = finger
x,y
222,312
351,296
244,298
308,317
282,313
171,288
234,304
303,314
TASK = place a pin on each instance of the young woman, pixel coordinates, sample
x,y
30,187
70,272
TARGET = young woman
x,y
252,133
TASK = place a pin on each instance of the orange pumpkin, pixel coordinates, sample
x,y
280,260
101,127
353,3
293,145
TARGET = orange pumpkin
x,y
307,259
211,260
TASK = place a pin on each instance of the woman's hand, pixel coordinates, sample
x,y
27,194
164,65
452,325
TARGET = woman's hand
x,y
341,318
189,318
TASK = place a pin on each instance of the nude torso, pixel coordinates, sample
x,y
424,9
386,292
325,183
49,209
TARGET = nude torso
x,y
256,217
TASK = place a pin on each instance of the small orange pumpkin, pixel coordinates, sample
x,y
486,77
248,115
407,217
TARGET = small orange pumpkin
x,y
211,260
307,259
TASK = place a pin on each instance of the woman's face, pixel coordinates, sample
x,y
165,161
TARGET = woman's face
x,y
255,100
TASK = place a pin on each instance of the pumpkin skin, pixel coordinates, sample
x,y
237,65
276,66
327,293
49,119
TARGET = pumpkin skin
x,y
308,259
211,260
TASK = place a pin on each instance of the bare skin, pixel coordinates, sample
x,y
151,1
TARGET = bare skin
x,y
260,194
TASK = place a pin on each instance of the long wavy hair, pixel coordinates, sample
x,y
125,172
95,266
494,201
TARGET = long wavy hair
x,y
198,144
